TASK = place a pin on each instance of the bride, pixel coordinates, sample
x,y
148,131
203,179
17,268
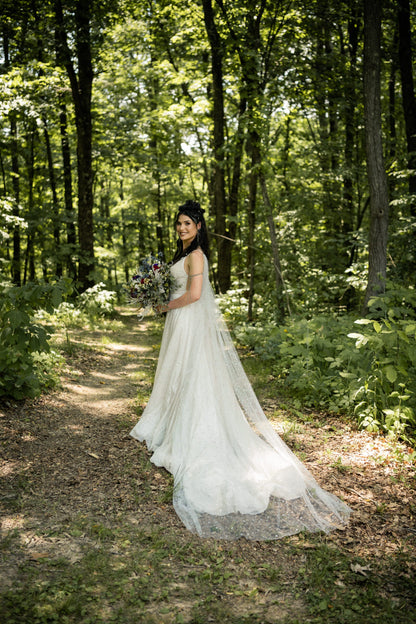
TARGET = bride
x,y
233,475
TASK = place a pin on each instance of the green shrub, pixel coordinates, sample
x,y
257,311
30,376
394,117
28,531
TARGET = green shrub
x,y
364,367
22,338
47,367
97,301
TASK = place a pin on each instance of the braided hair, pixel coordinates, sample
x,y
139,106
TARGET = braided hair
x,y
193,210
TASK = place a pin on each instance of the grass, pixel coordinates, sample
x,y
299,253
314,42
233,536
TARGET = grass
x,y
127,574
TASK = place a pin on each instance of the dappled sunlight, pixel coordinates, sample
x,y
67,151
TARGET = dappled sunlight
x,y
8,467
128,347
13,521
75,428
27,437
82,390
105,376
360,449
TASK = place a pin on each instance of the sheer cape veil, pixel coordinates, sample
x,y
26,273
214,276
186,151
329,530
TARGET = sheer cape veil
x,y
233,475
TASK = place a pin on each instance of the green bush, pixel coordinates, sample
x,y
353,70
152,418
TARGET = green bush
x,y
97,301
364,367
22,338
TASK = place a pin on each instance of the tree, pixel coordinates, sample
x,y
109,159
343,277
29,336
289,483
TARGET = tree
x,y
254,33
379,201
218,164
408,93
81,78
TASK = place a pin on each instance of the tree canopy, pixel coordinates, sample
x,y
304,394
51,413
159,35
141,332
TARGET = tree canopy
x,y
114,113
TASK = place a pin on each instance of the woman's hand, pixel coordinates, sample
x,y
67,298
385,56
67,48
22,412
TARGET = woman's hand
x,y
163,307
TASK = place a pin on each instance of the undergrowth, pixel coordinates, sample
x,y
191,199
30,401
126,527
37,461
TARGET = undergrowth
x,y
364,367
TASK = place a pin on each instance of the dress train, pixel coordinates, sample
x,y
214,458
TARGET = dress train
x,y
233,475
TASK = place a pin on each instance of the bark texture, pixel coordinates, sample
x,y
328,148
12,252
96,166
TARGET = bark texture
x,y
379,201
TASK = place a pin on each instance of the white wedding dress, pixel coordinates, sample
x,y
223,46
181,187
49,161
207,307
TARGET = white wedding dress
x,y
233,475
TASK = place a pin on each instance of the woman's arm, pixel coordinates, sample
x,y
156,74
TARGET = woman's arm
x,y
194,266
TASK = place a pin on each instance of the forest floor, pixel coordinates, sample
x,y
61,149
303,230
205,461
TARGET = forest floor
x,y
89,534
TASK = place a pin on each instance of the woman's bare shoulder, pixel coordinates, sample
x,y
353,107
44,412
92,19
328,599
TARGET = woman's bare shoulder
x,y
195,261
197,252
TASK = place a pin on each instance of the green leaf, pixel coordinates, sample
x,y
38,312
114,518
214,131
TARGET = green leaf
x,y
360,339
17,318
391,373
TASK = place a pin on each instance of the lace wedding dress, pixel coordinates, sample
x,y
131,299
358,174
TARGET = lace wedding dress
x,y
233,475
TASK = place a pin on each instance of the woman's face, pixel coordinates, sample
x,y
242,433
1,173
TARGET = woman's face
x,y
186,229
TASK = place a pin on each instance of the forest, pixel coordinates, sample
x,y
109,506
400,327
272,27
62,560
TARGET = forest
x,y
292,123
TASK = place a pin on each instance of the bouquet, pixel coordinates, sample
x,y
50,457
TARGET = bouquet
x,y
151,284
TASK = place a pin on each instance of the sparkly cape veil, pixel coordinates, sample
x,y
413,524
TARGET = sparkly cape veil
x,y
233,475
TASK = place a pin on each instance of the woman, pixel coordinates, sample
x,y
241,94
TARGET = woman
x,y
233,475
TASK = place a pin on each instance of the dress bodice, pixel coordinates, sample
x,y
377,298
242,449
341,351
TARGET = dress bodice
x,y
180,276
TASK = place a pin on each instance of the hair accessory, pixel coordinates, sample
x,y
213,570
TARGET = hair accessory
x,y
192,209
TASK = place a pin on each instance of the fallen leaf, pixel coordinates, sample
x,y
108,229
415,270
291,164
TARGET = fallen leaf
x,y
356,567
35,556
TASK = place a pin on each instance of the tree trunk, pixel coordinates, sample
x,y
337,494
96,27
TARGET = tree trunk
x,y
408,93
236,173
254,151
328,131
159,214
125,254
285,157
71,237
280,307
392,139
29,264
16,259
347,225
55,203
154,88
379,201
218,185
81,86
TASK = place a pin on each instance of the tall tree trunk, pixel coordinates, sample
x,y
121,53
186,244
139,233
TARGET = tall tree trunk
x,y
81,87
218,186
285,157
71,237
408,93
253,148
236,171
280,307
16,259
154,90
55,203
159,214
126,263
347,225
328,130
29,265
379,201
392,138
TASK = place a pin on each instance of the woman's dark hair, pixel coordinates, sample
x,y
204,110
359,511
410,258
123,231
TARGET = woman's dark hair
x,y
193,210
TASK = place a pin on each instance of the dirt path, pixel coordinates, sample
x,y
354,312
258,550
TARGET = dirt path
x,y
72,477
69,451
